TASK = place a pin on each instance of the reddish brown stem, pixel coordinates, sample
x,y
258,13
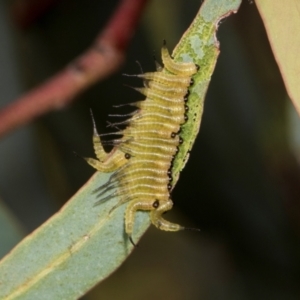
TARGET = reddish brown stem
x,y
99,61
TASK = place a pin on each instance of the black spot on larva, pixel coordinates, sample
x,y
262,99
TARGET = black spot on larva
x,y
186,118
185,99
169,173
180,140
197,67
169,186
186,108
127,155
187,93
173,134
192,81
171,164
155,204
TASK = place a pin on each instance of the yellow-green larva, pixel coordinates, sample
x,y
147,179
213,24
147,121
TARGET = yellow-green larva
x,y
142,158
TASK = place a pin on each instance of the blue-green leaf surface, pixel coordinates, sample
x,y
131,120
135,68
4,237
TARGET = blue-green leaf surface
x,y
83,244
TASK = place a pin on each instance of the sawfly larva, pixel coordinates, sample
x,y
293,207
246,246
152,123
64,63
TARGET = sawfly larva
x,y
142,158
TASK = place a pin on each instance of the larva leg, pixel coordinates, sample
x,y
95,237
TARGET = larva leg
x,y
131,210
105,162
98,148
161,223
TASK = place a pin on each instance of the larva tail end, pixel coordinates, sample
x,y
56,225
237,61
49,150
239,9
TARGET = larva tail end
x,y
94,123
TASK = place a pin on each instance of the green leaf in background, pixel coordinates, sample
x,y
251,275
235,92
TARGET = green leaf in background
x,y
82,244
282,23
10,231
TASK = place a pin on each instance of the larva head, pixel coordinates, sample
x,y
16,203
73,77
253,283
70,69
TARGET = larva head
x,y
182,68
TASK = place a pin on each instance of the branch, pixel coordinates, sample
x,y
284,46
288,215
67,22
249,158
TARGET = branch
x,y
99,61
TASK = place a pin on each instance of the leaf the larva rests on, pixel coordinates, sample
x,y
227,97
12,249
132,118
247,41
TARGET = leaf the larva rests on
x,y
282,23
199,45
72,251
82,244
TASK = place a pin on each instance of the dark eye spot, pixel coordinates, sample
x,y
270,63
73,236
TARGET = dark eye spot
x,y
180,140
185,99
173,134
127,155
155,204
169,186
186,108
192,81
186,118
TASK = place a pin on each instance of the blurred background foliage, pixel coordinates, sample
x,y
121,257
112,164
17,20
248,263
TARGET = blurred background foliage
x,y
240,186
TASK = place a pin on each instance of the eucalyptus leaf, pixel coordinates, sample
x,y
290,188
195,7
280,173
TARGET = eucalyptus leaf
x,y
79,246
82,244
282,22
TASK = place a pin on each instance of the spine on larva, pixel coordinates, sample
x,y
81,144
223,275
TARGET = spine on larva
x,y
142,158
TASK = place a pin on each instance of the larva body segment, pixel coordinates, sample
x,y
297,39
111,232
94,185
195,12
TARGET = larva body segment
x,y
167,79
163,99
167,90
158,126
150,106
142,157
158,117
